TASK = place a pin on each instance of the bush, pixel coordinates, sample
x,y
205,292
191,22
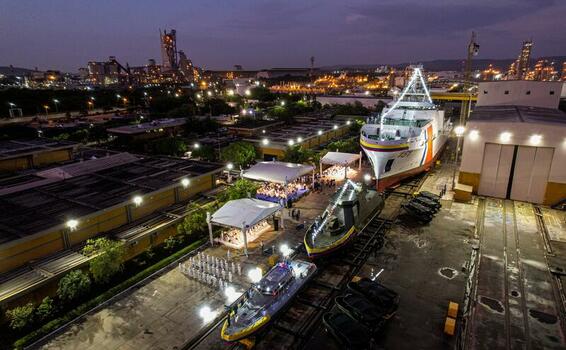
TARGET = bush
x,y
242,188
108,258
45,309
240,153
56,323
74,285
21,317
195,222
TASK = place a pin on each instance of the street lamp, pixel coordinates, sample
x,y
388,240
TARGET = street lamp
x,y
265,142
196,146
229,166
185,182
56,103
367,177
12,104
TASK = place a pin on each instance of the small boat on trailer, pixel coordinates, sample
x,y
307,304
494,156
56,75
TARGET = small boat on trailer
x,y
265,299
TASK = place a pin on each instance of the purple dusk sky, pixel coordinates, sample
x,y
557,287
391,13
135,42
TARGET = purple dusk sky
x,y
66,34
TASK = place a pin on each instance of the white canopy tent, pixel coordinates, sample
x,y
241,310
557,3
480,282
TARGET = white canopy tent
x,y
242,214
278,172
340,158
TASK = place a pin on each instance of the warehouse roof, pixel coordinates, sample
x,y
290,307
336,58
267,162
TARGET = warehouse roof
x,y
147,127
17,148
518,114
44,203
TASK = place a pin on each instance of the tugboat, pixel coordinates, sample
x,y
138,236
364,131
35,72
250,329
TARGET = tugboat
x,y
266,298
348,211
407,138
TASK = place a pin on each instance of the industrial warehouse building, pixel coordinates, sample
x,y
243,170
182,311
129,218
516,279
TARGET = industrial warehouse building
x,y
515,142
310,132
48,215
25,154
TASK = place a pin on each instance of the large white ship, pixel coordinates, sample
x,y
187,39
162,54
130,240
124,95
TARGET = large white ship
x,y
408,135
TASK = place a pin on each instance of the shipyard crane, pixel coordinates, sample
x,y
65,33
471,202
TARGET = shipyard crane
x,y
473,49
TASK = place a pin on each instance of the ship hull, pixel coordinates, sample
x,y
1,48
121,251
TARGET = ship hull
x,y
393,164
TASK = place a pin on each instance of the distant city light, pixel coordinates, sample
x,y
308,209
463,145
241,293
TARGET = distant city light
x,y
209,93
348,122
248,92
185,182
282,103
366,93
230,92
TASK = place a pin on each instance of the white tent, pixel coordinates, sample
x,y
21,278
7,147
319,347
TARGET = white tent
x,y
278,172
249,210
339,158
242,214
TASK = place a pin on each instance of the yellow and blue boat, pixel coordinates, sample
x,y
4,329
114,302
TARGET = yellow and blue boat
x,y
264,300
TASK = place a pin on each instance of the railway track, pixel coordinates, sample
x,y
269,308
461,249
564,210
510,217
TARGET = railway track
x,y
294,326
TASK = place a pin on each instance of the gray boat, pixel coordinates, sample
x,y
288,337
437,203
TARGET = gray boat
x,y
266,298
348,211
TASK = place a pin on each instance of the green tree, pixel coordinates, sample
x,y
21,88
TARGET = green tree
x,y
171,146
350,145
240,153
21,317
73,285
45,309
262,94
242,188
356,126
204,152
108,258
195,222
298,154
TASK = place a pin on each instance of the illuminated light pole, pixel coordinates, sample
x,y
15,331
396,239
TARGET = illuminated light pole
x,y
185,182
138,200
230,166
46,110
459,131
56,103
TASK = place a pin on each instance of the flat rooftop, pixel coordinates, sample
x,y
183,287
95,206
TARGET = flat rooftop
x,y
18,148
147,127
518,114
41,202
305,128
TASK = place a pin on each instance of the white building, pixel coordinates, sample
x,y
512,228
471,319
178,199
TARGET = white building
x,y
515,142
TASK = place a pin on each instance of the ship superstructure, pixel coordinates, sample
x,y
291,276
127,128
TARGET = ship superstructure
x,y
408,135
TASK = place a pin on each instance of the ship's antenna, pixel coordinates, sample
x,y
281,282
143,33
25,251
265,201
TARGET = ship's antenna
x,y
412,89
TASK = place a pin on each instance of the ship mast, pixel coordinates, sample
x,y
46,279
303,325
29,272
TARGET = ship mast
x,y
414,91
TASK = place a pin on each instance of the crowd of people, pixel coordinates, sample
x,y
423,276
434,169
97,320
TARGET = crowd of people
x,y
284,194
337,172
234,236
